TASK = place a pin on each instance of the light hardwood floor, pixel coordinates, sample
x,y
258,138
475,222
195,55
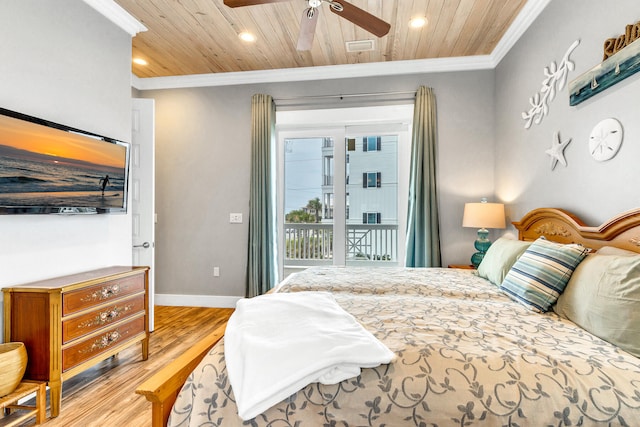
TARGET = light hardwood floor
x,y
105,395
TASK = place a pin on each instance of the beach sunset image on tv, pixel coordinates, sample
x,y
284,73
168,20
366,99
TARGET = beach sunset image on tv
x,y
46,166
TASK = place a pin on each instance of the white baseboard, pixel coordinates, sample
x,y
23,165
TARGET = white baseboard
x,y
196,300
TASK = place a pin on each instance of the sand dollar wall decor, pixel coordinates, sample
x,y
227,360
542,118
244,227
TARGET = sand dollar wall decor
x,y
605,139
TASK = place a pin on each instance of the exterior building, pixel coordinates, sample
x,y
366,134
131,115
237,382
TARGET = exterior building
x,y
372,180
371,195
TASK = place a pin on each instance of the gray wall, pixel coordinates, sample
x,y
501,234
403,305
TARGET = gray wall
x,y
64,62
203,170
594,191
203,148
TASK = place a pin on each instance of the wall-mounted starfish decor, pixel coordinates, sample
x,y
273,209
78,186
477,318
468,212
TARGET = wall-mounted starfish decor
x,y
557,150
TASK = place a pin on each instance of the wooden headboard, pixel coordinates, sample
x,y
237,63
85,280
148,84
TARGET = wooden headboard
x,y
622,231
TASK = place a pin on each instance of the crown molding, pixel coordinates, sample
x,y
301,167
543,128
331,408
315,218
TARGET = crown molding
x,y
529,13
525,18
116,14
327,72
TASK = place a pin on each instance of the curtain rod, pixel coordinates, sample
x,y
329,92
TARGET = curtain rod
x,y
347,95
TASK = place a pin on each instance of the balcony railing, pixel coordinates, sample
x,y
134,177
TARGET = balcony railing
x,y
312,244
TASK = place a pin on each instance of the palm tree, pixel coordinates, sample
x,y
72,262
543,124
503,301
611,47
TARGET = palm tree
x,y
299,216
314,205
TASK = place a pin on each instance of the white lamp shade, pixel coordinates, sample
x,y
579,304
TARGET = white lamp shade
x,y
483,215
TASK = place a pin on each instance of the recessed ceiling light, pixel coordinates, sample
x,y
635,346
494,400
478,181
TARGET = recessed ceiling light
x,y
247,37
418,22
140,61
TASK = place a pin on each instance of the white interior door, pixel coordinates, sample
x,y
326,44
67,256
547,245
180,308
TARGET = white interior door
x,y
143,191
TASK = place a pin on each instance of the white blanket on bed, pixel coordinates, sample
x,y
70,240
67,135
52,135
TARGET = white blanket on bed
x,y
277,344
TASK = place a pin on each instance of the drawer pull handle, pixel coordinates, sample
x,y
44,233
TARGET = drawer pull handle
x,y
105,293
103,342
105,317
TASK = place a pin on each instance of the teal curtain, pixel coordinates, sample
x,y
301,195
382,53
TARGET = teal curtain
x,y
423,235
262,268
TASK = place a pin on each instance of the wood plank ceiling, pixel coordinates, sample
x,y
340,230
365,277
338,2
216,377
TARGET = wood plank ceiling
x,y
201,36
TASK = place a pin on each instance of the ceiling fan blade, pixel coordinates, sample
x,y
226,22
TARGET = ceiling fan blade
x,y
362,18
240,3
307,28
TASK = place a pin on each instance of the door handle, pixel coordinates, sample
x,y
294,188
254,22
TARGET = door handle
x,y
144,245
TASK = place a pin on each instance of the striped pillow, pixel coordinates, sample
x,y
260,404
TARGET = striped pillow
x,y
540,275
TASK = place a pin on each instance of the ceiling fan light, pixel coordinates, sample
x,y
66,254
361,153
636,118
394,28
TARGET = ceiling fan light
x,y
247,37
418,22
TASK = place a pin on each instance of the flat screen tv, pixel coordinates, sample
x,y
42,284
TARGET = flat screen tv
x,y
49,168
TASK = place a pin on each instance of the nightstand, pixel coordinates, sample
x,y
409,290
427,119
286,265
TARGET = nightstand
x,y
462,266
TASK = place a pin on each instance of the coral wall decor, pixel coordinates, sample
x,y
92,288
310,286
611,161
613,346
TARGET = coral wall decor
x,y
555,77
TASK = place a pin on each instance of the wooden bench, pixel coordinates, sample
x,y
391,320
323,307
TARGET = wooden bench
x,y
9,403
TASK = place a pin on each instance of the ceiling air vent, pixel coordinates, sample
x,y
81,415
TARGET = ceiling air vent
x,y
360,45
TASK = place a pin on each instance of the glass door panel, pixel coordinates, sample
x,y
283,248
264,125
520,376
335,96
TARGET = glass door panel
x,y
371,199
309,200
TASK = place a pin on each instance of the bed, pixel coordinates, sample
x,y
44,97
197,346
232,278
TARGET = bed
x,y
471,348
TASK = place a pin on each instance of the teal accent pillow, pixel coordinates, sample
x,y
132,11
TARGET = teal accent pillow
x,y
539,276
603,297
499,259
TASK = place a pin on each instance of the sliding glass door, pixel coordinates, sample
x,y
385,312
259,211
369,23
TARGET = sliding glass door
x,y
338,194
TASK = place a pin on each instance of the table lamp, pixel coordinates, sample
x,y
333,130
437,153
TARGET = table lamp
x,y
482,215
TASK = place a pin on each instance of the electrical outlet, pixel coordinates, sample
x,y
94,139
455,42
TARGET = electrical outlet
x,y
216,271
235,218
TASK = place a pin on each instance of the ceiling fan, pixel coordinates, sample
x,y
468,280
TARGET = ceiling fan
x,y
309,20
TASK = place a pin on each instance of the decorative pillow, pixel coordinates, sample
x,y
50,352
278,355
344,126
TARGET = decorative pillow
x,y
540,275
502,254
611,250
603,297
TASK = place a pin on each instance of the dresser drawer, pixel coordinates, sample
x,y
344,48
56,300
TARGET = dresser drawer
x,y
93,346
72,323
91,296
99,318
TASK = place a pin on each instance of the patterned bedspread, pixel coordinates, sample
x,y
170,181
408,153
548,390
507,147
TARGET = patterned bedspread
x,y
466,356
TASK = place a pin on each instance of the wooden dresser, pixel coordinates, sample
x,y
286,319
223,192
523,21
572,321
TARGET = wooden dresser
x,y
71,323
